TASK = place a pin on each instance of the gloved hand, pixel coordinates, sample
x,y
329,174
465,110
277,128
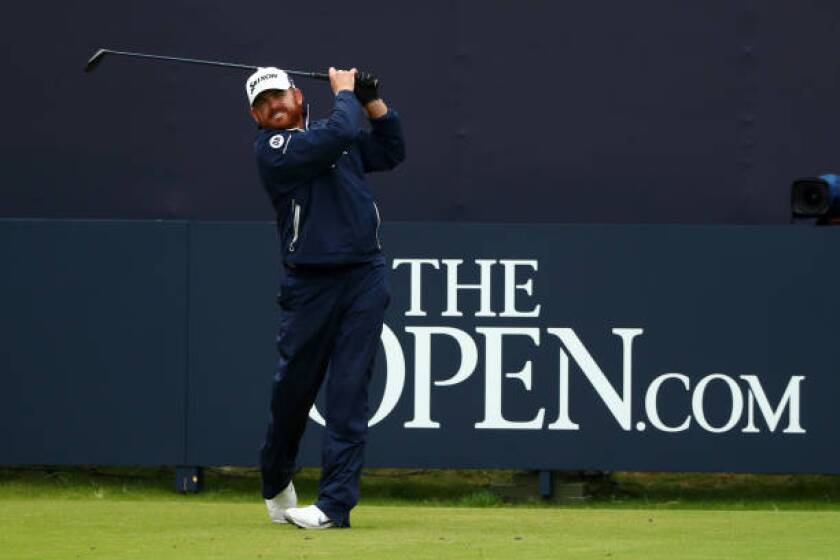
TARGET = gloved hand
x,y
367,88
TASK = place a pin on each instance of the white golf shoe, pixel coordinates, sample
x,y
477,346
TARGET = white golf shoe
x,y
309,517
278,505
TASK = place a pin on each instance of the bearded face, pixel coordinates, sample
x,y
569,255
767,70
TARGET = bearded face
x,y
279,108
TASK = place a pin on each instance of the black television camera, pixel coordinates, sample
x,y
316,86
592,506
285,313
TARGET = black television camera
x,y
817,197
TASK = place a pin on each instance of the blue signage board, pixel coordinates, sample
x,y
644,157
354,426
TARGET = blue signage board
x,y
689,348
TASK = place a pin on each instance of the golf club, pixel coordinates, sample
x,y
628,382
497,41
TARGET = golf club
x,y
99,55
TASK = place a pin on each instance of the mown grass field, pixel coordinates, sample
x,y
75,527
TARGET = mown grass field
x,y
133,513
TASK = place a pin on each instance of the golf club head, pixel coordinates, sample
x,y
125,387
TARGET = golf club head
x,y
95,60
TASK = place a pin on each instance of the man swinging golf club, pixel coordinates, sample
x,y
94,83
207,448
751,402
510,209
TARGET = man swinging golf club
x,y
334,289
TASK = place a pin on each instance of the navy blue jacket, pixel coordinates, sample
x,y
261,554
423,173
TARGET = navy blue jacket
x,y
326,214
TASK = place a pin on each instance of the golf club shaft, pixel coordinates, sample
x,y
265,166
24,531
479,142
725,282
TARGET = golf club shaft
x,y
103,52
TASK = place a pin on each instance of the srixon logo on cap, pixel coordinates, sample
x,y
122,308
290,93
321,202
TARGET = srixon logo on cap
x,y
261,78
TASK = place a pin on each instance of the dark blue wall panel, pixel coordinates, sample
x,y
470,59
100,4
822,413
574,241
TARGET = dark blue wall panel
x,y
604,111
152,342
730,300
234,276
93,353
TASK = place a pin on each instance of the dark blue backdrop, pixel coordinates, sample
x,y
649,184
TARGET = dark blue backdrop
x,y
603,111
152,343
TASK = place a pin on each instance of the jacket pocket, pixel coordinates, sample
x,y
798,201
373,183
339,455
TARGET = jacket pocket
x,y
295,225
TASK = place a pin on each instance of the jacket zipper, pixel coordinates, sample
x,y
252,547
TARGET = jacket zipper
x,y
378,223
295,225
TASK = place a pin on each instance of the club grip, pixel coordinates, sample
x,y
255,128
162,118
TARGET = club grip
x,y
313,75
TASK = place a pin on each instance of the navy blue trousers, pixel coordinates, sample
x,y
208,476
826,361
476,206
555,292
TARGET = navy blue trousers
x,y
329,317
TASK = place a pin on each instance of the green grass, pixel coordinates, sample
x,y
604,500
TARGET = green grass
x,y
124,513
46,529
472,488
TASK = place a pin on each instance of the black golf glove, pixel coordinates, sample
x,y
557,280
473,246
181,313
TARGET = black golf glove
x,y
367,88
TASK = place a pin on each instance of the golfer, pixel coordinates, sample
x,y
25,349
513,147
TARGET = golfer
x,y
334,289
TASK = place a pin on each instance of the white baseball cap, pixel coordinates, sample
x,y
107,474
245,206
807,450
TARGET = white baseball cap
x,y
266,78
